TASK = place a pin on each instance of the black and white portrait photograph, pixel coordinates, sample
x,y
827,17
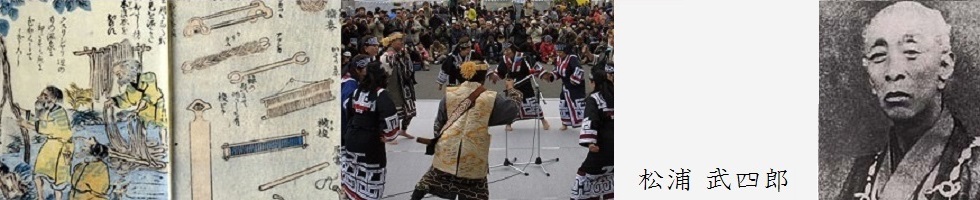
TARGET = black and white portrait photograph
x,y
898,109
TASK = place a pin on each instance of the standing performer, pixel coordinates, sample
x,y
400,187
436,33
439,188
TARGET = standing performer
x,y
373,121
355,72
462,143
572,98
449,76
401,79
514,67
595,176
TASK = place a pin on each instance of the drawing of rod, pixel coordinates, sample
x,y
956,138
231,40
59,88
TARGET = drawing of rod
x,y
257,9
293,176
237,77
204,62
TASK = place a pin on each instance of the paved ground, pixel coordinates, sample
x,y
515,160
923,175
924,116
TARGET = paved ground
x,y
407,161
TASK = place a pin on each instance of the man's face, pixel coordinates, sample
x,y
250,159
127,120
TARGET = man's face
x,y
508,52
398,44
122,75
371,50
44,101
905,62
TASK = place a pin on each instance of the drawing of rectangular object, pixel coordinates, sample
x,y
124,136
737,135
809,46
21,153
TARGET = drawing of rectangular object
x,y
298,99
266,145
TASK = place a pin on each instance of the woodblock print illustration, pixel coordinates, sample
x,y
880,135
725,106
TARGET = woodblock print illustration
x,y
269,82
96,73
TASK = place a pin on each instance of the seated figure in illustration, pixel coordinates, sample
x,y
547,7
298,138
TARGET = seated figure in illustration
x,y
90,178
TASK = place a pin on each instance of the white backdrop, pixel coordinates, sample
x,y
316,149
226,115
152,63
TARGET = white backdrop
x,y
717,84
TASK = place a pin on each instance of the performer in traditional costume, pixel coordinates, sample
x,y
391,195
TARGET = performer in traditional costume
x,y
373,121
449,76
355,71
572,98
514,66
595,176
90,179
462,142
401,79
53,160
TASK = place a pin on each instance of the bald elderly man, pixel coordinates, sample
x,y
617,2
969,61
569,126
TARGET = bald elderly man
x,y
928,154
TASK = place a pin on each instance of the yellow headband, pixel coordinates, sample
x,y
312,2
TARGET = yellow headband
x,y
391,38
468,69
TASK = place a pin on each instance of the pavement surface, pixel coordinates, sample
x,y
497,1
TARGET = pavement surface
x,y
407,161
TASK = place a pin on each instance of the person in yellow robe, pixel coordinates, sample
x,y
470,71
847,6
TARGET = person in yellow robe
x,y
53,160
139,91
461,147
90,179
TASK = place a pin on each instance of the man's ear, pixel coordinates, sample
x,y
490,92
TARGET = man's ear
x,y
946,66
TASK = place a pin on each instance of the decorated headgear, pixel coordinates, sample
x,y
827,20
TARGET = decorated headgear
x,y
508,45
391,38
468,69
371,40
360,61
465,44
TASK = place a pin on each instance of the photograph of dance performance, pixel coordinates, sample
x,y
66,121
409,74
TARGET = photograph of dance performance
x,y
502,99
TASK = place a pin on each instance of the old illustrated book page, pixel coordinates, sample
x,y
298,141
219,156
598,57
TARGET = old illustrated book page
x,y
86,100
258,87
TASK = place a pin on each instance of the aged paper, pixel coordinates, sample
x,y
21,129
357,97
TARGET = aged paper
x,y
85,109
258,87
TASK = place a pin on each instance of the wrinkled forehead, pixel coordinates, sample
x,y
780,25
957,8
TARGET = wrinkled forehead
x,y
904,22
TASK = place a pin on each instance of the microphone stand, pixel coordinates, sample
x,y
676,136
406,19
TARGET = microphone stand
x,y
537,131
507,162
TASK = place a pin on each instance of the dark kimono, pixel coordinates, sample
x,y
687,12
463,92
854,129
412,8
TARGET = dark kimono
x,y
449,75
942,164
401,82
363,160
594,179
572,98
517,69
